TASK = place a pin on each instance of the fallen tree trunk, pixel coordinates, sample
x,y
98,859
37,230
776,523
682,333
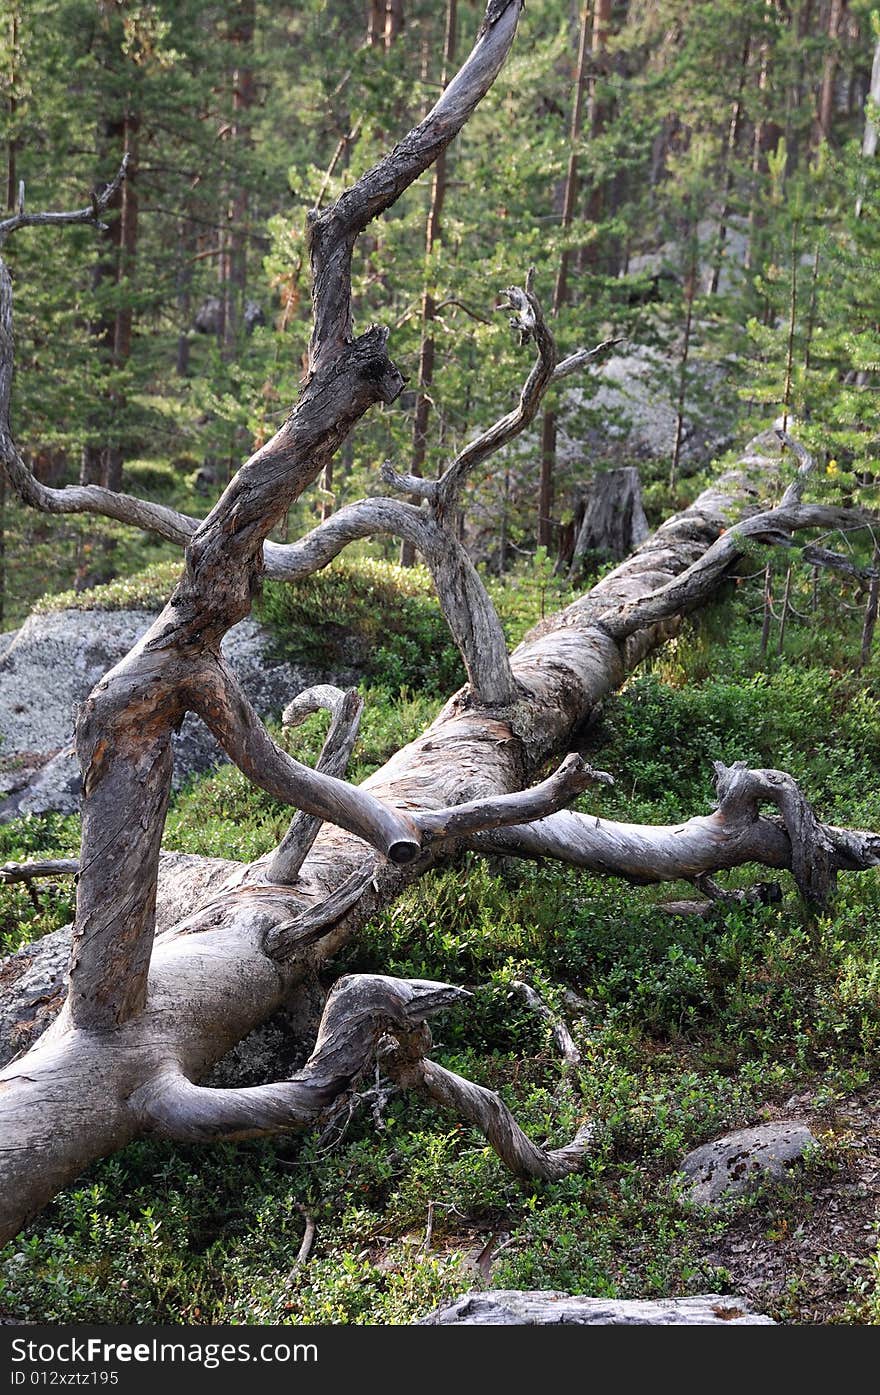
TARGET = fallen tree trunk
x,y
544,1308
145,1018
73,1098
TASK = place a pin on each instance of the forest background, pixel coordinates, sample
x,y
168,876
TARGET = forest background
x,y
695,179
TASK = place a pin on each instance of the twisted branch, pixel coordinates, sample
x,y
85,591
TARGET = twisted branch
x,y
346,709
736,834
364,1012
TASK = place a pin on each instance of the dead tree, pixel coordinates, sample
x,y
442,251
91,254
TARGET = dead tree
x,y
146,1016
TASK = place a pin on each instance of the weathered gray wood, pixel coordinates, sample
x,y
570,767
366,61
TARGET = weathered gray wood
x,y
360,1009
734,836
548,1308
345,709
143,1021
561,1035
214,976
33,870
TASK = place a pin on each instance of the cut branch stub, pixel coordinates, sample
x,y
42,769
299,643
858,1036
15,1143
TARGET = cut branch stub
x,y
222,704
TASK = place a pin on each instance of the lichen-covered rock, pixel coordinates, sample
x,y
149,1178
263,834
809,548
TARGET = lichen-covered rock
x,y
51,665
512,1308
734,1163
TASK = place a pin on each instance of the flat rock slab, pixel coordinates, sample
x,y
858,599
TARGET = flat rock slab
x,y
513,1308
733,1164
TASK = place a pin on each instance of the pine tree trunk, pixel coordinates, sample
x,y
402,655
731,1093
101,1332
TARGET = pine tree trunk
x,y
433,234
11,108
825,112
234,260
393,20
547,481
97,455
728,157
375,22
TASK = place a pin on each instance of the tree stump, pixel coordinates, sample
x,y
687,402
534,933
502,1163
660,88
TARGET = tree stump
x,y
612,520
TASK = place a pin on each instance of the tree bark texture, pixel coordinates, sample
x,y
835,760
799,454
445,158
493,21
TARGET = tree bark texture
x,y
147,1014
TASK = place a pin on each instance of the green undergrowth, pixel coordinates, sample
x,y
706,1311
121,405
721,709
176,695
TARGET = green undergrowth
x,y
364,614
686,1026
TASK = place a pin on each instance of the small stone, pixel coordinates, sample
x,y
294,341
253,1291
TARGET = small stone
x,y
736,1162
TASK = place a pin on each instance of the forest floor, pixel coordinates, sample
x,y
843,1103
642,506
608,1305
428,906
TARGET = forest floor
x,y
688,1027
810,1260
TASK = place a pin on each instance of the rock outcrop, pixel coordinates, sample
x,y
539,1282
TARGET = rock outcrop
x,y
52,663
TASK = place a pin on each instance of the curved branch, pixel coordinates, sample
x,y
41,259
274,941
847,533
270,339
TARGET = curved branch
x,y
217,697
361,1008
346,709
466,605
561,1035
528,321
361,1011
806,465
333,233
461,820
736,834
365,518
487,1111
692,586
167,523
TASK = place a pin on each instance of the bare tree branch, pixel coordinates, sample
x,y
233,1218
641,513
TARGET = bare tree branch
x,y
360,1009
561,1035
11,872
99,202
466,605
346,709
333,233
225,709
462,820
735,835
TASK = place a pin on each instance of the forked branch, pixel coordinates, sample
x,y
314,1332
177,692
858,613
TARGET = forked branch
x,y
99,202
365,1014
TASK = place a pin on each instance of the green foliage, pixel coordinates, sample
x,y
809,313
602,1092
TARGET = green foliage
x,y
379,618
23,918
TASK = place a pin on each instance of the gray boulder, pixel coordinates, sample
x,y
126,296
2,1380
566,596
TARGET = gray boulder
x,y
731,1165
51,665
